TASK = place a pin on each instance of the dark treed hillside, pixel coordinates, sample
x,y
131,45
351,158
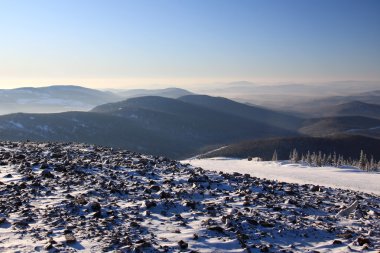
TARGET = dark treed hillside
x,y
354,108
347,124
155,125
346,145
184,119
177,128
310,106
92,128
256,113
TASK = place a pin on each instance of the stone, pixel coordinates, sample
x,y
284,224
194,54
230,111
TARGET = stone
x,y
149,204
361,241
183,245
47,174
48,246
2,220
70,238
155,188
216,229
95,206
314,188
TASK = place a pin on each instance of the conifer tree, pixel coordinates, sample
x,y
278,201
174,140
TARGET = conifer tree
x,y
322,159
319,159
362,158
274,157
308,158
295,157
372,164
334,160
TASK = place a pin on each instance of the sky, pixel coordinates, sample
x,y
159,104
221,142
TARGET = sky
x,y
129,44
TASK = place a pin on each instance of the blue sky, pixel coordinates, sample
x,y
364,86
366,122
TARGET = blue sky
x,y
136,43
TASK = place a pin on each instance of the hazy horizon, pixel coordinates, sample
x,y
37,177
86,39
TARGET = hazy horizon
x,y
132,44
191,86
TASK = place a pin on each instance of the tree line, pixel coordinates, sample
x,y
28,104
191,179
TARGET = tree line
x,y
319,159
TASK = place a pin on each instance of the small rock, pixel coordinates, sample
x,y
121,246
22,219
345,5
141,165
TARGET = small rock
x,y
314,188
216,228
95,206
346,235
70,238
361,241
3,220
48,246
149,204
155,188
264,248
47,174
81,200
266,224
190,204
97,214
134,224
52,241
290,201
183,245
67,231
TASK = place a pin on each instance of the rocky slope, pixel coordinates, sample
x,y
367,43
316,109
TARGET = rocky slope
x,y
73,197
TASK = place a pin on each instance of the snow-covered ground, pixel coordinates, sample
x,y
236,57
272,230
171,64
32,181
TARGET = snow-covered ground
x,y
345,178
79,198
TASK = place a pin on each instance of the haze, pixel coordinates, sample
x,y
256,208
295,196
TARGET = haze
x,y
129,44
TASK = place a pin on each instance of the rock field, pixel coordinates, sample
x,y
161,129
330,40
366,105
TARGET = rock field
x,y
65,197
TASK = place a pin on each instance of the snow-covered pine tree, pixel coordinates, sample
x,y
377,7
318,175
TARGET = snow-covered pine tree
x,y
319,159
372,164
314,158
334,160
295,157
362,158
274,157
308,158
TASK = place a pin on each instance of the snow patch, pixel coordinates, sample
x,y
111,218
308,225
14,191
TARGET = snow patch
x,y
344,177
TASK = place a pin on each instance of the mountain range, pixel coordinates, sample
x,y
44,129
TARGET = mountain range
x,y
62,98
155,124
57,98
174,125
351,108
167,93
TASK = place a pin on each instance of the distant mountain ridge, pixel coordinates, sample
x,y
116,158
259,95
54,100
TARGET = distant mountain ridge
x,y
352,108
57,98
167,92
62,98
312,106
